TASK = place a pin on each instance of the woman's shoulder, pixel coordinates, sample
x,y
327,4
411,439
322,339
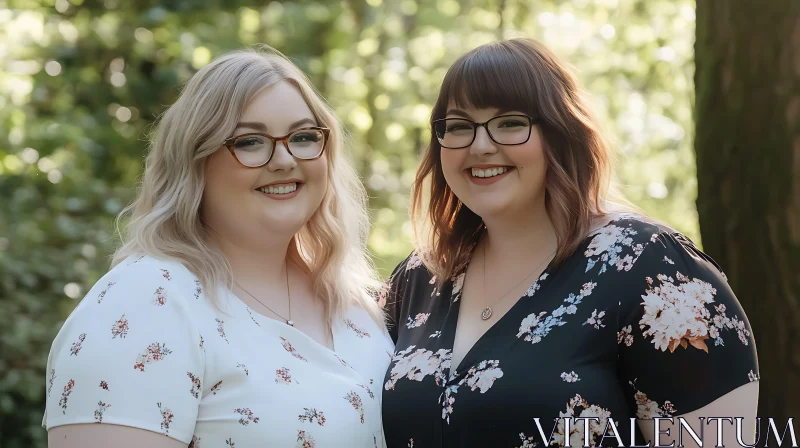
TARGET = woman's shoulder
x,y
142,281
638,232
143,270
148,266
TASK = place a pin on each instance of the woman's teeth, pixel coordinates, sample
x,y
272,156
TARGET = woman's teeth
x,y
491,172
278,189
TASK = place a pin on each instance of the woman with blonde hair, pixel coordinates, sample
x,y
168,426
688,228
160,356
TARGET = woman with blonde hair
x,y
240,311
530,314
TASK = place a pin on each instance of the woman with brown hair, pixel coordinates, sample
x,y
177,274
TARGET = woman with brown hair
x,y
528,302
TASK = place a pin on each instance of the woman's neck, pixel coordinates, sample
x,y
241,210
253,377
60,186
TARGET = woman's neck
x,y
260,265
523,238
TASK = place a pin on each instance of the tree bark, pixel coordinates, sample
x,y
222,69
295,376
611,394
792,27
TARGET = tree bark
x,y
747,142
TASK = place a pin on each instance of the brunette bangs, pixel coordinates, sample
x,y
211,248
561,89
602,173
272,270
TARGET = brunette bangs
x,y
492,76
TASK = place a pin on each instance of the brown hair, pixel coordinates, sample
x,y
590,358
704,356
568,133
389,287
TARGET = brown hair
x,y
523,75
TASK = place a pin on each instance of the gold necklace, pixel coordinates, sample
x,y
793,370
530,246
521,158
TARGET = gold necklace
x,y
487,311
288,293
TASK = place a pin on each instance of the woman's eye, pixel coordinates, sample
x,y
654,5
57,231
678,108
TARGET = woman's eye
x,y
511,124
248,142
306,137
457,127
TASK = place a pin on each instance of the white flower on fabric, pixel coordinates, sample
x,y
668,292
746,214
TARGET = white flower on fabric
x,y
419,364
458,283
571,377
481,377
418,321
604,240
576,435
413,262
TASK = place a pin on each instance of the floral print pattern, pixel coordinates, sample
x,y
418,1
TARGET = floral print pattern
x,y
154,352
624,336
103,293
311,415
608,245
98,413
537,284
419,364
244,368
577,436
458,286
166,417
367,389
160,296
570,377
104,337
676,314
76,346
418,321
247,416
534,328
221,329
611,318
290,348
305,439
283,376
65,395
527,442
596,319
251,316
481,377
52,379
360,333
196,387
355,401
342,361
120,328
647,408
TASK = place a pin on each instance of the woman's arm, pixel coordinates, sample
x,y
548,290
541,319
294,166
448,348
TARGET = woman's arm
x,y
90,435
741,402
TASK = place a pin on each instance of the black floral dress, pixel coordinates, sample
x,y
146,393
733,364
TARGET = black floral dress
x,y
637,323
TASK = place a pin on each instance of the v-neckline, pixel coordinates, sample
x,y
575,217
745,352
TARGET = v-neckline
x,y
455,309
284,325
545,277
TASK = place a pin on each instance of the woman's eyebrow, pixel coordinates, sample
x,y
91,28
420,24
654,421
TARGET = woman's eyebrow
x,y
261,127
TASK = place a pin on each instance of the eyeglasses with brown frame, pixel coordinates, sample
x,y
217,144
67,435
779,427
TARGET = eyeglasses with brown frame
x,y
254,150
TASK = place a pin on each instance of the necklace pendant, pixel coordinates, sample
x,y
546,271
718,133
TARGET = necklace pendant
x,y
487,313
290,323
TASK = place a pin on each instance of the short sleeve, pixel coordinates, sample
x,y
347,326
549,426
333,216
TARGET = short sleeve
x,y
683,338
128,355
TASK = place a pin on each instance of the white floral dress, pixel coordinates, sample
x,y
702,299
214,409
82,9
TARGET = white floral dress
x,y
636,323
147,349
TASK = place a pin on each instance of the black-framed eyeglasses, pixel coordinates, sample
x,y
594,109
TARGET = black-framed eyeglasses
x,y
457,133
255,149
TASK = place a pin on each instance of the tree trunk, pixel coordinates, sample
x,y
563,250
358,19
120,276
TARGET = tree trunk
x,y
747,142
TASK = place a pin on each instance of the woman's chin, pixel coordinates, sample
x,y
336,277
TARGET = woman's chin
x,y
489,210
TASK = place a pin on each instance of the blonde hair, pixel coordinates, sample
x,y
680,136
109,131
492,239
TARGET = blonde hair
x,y
165,220
523,75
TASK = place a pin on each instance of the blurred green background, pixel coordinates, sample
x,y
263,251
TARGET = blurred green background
x,y
81,82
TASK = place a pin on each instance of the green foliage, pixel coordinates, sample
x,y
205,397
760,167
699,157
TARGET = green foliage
x,y
81,81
